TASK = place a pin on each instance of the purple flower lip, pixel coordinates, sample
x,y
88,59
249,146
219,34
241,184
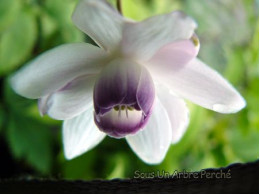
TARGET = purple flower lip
x,y
123,98
121,121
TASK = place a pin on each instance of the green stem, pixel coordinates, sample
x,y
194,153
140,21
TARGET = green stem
x,y
119,6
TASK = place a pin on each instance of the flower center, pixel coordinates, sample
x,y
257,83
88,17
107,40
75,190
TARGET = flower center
x,y
126,114
123,98
121,120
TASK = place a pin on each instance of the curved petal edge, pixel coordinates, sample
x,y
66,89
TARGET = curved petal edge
x,y
202,85
152,143
80,134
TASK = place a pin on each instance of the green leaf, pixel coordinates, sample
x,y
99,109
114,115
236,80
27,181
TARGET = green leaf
x,y
235,67
135,9
80,167
8,11
245,144
60,10
31,141
25,107
166,6
118,166
17,42
59,13
1,117
15,102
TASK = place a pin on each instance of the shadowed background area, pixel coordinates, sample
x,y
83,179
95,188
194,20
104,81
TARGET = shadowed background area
x,y
31,145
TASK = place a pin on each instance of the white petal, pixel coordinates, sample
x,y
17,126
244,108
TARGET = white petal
x,y
143,39
42,105
178,53
152,143
100,21
80,134
202,85
71,100
177,111
54,68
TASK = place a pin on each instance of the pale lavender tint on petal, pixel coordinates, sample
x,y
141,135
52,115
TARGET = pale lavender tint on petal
x,y
174,55
123,98
142,40
145,92
69,101
202,85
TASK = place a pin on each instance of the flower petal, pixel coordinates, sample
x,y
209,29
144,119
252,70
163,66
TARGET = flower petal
x,y
111,85
152,143
119,123
71,100
178,53
203,86
177,111
124,82
145,92
80,134
143,39
100,21
56,67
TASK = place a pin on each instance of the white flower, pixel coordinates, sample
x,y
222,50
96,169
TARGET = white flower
x,y
139,75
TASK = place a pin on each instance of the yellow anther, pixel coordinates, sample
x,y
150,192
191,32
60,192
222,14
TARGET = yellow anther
x,y
195,40
130,108
116,108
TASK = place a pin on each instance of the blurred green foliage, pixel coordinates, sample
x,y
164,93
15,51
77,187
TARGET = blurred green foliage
x,y
228,31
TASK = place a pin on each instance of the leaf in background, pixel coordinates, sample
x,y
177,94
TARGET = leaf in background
x,y
25,107
112,158
196,133
166,6
1,117
140,10
8,12
236,65
118,163
252,98
245,145
61,10
135,9
31,141
14,102
82,167
220,33
17,42
59,13
28,136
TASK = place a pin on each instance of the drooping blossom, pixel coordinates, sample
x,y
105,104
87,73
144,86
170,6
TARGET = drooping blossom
x,y
132,86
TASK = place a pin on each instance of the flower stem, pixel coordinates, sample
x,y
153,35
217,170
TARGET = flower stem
x,y
119,6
